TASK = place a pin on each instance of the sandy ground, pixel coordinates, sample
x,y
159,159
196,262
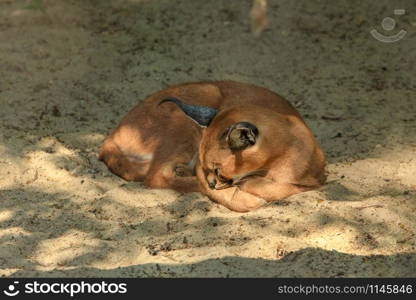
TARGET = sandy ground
x,y
66,79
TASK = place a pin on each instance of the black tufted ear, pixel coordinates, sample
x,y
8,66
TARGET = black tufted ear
x,y
202,115
241,136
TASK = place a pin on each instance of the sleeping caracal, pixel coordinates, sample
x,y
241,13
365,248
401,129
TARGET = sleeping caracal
x,y
240,144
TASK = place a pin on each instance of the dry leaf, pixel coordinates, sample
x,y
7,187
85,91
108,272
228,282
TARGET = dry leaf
x,y
259,16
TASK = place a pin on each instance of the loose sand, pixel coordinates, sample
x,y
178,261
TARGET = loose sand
x,y
66,79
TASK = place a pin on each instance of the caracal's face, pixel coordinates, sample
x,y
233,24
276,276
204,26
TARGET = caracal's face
x,y
227,155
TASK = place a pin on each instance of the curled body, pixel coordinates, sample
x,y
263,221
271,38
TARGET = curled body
x,y
240,144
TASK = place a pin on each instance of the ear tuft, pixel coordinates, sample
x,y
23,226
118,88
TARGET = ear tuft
x,y
241,136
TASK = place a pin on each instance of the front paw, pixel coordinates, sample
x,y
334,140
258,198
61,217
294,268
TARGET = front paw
x,y
244,202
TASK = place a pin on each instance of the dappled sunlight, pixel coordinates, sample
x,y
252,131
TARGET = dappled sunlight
x,y
119,230
398,163
6,215
70,76
10,233
127,194
332,238
64,250
307,262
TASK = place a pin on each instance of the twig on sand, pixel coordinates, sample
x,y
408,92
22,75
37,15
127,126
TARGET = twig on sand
x,y
369,206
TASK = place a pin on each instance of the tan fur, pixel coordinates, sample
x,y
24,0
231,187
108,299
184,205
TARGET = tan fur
x,y
164,148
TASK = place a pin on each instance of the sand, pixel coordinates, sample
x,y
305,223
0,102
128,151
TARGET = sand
x,y
68,77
